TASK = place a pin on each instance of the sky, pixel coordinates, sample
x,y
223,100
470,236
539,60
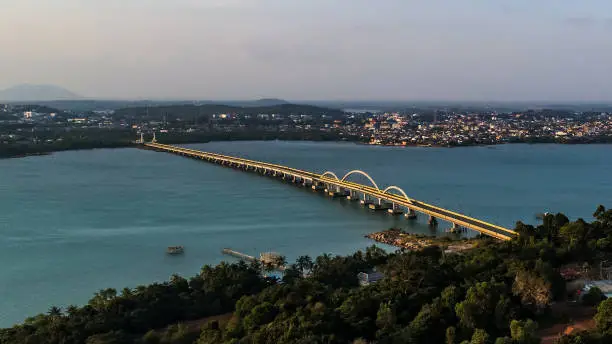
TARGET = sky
x,y
483,50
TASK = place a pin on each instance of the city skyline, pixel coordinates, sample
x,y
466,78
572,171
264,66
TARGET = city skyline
x,y
247,49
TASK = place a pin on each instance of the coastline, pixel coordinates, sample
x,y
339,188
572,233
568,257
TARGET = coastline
x,y
416,242
22,154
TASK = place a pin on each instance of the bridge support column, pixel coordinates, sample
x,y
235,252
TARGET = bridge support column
x,y
433,222
395,210
456,228
411,214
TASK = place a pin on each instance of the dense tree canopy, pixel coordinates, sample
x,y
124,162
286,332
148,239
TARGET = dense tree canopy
x,y
498,293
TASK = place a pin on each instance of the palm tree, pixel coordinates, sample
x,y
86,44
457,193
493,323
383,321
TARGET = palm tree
x,y
280,261
304,263
126,292
72,310
55,311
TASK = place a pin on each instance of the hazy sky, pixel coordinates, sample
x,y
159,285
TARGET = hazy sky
x,y
312,49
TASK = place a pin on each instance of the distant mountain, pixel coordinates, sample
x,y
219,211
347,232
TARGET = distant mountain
x,y
246,103
26,92
269,102
190,112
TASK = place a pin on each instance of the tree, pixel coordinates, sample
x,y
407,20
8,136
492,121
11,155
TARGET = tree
x,y
478,308
451,335
524,332
532,289
291,274
304,263
603,318
55,311
604,216
574,233
451,295
260,315
385,318
480,336
280,261
429,324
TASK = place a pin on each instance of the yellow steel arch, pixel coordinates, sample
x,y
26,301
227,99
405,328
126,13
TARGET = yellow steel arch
x,y
363,174
396,188
329,173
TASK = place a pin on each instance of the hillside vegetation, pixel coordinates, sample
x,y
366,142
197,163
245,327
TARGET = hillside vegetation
x,y
496,293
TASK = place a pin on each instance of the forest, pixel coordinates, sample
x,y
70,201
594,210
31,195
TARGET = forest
x,y
495,293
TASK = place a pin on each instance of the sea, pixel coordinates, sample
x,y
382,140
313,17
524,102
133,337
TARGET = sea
x,y
72,223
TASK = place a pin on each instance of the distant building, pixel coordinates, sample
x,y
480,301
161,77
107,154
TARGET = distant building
x,y
366,278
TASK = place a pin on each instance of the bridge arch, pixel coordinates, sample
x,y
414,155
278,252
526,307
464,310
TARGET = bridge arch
x,y
396,188
363,174
329,173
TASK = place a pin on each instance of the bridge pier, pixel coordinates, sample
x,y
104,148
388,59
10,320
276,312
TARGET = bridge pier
x,y
432,222
365,201
352,196
411,214
395,210
456,229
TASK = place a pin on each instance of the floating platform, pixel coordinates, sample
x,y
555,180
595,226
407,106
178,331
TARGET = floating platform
x,y
175,250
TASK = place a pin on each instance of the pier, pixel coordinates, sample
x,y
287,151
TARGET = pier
x,y
266,258
391,197
239,255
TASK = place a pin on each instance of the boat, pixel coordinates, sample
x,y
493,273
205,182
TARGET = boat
x,y
175,250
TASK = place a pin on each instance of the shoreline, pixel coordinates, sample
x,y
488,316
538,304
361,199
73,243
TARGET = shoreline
x,y
356,142
416,242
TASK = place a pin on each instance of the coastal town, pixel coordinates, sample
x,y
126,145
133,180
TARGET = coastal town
x,y
37,124
457,129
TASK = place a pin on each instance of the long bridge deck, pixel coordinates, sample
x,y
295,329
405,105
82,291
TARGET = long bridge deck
x,y
330,180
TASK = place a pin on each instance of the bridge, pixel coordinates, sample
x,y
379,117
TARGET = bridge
x,y
391,198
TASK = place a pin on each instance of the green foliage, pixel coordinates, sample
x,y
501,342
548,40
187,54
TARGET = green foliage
x,y
478,308
603,318
385,318
480,337
524,332
492,291
451,335
533,290
110,318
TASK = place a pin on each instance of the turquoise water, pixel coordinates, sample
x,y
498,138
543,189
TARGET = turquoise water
x,y
72,223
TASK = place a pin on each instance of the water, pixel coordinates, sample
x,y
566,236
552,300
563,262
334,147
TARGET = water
x,y
74,222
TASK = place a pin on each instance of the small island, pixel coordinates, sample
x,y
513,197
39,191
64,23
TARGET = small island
x,y
415,242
